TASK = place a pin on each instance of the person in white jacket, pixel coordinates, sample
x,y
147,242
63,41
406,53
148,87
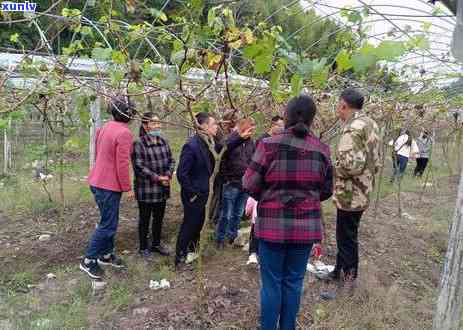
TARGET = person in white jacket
x,y
404,148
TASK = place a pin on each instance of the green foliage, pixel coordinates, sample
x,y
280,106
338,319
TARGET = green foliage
x,y
353,16
116,75
118,57
320,78
261,53
296,84
3,123
170,79
34,152
343,61
390,50
420,42
14,38
276,76
76,143
202,106
158,14
101,54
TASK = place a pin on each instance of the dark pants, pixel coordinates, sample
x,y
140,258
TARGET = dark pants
x,y
282,269
148,211
253,242
102,240
347,258
421,164
193,221
216,204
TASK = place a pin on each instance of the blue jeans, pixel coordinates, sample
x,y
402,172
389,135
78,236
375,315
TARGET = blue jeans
x,y
102,240
282,270
400,166
233,204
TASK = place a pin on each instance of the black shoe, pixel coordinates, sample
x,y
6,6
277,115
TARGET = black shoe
x,y
220,245
333,276
162,250
112,260
328,295
179,261
145,253
92,269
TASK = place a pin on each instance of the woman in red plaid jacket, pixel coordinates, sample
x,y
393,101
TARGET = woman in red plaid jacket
x,y
290,175
153,166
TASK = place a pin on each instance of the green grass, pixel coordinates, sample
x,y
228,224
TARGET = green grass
x,y
69,315
27,311
21,193
162,272
18,282
121,295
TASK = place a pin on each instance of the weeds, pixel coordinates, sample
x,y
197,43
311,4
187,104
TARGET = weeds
x,y
19,282
120,296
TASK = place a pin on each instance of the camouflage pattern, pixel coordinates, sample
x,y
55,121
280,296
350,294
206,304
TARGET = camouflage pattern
x,y
357,162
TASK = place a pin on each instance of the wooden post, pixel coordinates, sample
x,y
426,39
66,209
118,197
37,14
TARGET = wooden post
x,y
10,148
95,123
457,42
5,151
449,303
62,110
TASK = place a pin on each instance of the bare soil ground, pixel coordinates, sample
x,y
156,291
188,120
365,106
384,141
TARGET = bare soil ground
x,y
401,260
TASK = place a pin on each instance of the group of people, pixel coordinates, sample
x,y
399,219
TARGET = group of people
x,y
281,179
405,147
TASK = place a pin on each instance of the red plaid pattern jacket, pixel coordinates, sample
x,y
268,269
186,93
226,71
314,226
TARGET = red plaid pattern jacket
x,y
290,177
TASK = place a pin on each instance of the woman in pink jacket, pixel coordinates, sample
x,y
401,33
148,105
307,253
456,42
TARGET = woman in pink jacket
x,y
108,178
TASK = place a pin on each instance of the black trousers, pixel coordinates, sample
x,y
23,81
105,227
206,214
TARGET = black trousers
x,y
253,242
194,211
347,258
147,212
216,204
421,164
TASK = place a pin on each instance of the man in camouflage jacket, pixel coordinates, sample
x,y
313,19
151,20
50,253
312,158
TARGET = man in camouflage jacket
x,y
357,162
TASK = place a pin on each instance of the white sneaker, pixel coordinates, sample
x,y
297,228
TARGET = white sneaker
x,y
252,260
191,257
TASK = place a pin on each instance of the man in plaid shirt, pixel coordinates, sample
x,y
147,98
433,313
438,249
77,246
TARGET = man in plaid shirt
x,y
289,175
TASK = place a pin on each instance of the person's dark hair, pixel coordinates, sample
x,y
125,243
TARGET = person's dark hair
x,y
353,98
276,118
202,117
147,116
300,113
409,141
122,111
228,121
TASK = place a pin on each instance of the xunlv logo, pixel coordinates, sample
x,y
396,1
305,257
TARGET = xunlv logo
x,y
18,6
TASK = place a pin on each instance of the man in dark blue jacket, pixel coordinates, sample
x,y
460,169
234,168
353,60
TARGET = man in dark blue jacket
x,y
194,171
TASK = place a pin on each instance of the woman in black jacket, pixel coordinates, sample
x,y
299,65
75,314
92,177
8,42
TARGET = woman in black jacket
x,y
153,167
